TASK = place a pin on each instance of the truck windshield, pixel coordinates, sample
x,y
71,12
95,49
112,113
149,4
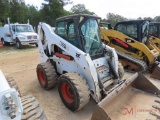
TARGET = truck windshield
x,y
92,43
24,28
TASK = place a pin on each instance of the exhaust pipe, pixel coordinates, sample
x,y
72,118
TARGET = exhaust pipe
x,y
10,28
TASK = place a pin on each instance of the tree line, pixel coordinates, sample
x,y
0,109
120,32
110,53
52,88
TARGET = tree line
x,y
20,12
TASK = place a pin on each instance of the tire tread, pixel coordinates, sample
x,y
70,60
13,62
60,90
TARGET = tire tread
x,y
81,87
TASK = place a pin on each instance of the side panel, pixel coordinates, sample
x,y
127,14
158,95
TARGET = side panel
x,y
7,35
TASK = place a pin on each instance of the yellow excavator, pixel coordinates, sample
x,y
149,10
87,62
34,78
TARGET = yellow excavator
x,y
151,35
130,39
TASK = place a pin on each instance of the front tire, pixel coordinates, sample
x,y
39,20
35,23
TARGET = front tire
x,y
46,75
18,44
36,45
73,91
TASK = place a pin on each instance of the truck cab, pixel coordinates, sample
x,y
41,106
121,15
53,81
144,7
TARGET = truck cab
x,y
20,34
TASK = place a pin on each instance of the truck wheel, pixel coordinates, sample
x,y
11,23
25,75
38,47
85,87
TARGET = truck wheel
x,y
36,45
73,91
3,42
120,70
12,83
46,75
31,109
18,44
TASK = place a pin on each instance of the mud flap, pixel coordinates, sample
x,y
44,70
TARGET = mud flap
x,y
137,92
156,73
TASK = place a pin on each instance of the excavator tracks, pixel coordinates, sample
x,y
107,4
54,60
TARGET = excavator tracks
x,y
138,62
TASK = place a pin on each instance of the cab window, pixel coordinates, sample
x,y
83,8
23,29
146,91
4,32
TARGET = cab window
x,y
66,30
128,29
153,30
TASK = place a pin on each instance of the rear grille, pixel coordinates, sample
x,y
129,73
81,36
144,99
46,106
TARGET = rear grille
x,y
32,37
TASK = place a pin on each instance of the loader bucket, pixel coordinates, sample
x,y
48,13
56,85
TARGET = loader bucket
x,y
156,73
135,99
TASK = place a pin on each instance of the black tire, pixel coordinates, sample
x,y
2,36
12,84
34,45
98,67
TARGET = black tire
x,y
47,76
18,44
3,42
8,43
36,45
31,109
12,83
120,70
73,91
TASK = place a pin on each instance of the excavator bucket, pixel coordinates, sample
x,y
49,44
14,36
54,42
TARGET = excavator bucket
x,y
155,74
134,99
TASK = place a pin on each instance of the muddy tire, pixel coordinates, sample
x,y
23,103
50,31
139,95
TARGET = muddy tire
x,y
47,76
73,91
120,70
31,109
12,83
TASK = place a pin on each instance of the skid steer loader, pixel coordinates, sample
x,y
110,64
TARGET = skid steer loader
x,y
136,52
145,31
154,33
75,57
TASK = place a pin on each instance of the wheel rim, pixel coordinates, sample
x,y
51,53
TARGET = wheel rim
x,y
67,93
17,45
41,77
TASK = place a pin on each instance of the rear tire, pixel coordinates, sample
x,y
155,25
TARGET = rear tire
x,y
3,42
46,75
31,109
120,70
73,91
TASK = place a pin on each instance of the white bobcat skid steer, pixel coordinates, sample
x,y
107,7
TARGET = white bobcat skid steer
x,y
85,66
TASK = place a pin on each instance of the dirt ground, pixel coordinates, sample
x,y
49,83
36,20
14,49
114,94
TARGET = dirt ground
x,y
21,65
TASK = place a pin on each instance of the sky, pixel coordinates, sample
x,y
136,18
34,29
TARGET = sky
x,y
125,8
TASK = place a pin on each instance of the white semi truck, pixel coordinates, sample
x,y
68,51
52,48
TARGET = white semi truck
x,y
20,34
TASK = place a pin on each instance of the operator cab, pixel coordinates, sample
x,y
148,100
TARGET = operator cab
x,y
82,31
136,29
105,25
154,29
